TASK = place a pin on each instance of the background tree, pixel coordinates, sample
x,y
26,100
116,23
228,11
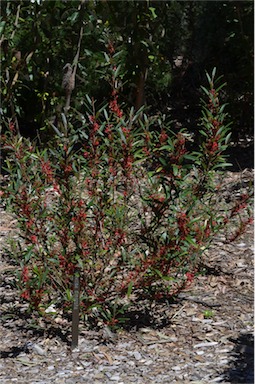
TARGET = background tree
x,y
164,48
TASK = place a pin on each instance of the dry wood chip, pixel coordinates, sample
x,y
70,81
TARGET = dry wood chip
x,y
206,344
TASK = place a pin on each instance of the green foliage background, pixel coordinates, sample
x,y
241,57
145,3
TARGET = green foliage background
x,y
39,37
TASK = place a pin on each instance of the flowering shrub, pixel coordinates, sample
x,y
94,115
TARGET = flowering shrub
x,y
119,199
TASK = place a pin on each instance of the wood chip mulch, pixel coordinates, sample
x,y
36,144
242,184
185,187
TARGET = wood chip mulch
x,y
206,336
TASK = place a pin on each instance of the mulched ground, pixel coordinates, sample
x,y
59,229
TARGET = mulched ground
x,y
205,336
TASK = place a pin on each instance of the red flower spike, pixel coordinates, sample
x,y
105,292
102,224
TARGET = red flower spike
x,y
190,277
25,295
25,274
12,127
47,170
34,239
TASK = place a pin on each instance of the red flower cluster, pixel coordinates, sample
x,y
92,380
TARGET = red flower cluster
x,y
157,197
207,230
25,274
127,163
190,277
241,229
68,168
114,106
146,151
111,49
93,139
30,223
182,222
25,295
26,209
34,239
25,278
215,126
47,170
179,149
213,100
85,250
12,127
108,131
68,266
213,145
120,236
241,204
163,137
127,157
79,221
94,123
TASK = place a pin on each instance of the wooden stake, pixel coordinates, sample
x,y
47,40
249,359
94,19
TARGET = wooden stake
x,y
75,313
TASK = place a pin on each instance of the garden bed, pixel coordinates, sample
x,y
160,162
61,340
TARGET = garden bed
x,y
205,335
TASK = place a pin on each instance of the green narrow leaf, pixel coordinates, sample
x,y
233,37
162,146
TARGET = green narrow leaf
x,y
28,254
89,99
107,58
221,165
56,130
203,133
64,120
209,79
175,170
122,136
106,114
116,73
227,139
129,290
205,90
220,87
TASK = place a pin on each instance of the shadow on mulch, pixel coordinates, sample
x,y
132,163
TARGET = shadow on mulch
x,y
149,314
144,319
22,321
12,352
241,370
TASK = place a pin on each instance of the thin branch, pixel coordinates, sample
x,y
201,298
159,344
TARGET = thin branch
x,y
16,23
75,60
